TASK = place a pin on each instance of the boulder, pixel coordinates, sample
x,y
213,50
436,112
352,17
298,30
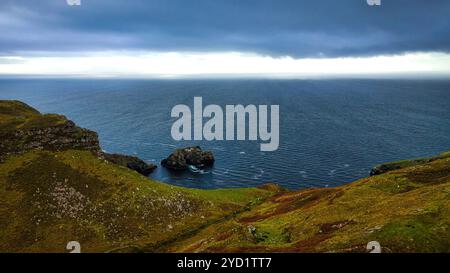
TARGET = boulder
x,y
180,159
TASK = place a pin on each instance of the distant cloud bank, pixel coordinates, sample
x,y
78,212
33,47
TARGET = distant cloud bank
x,y
261,36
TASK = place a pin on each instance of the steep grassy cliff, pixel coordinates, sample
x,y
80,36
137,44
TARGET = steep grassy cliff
x,y
55,188
51,194
23,128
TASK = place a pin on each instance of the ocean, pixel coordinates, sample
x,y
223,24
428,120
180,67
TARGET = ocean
x,y
331,131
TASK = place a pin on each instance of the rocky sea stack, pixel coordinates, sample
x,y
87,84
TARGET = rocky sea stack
x,y
180,159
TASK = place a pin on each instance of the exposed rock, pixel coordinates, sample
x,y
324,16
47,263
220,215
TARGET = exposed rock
x,y
181,158
23,129
380,169
131,162
392,166
60,136
142,169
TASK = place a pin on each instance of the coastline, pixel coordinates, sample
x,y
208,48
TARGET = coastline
x,y
56,184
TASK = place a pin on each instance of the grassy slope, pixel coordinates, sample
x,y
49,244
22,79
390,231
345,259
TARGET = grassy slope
x,y
51,197
406,210
16,114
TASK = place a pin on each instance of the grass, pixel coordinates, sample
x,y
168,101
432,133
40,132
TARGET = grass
x,y
53,196
405,210
23,128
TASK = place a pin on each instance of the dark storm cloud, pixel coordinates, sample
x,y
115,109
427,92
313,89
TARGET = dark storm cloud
x,y
296,28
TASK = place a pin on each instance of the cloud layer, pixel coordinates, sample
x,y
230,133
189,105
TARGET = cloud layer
x,y
319,28
116,64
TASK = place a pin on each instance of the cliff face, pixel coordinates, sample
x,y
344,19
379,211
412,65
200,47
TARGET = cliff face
x,y
55,187
24,129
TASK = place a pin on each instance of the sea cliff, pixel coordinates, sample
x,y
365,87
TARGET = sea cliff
x,y
57,186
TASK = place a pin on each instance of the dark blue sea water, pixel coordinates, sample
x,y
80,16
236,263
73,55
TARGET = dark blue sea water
x,y
331,131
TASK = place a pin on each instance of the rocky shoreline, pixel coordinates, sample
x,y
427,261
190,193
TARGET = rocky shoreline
x,y
34,131
131,162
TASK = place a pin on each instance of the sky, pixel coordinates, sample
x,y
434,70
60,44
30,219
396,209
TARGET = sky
x,y
169,38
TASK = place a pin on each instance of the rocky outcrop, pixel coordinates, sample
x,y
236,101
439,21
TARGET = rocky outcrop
x,y
180,159
383,168
392,166
131,162
60,136
23,128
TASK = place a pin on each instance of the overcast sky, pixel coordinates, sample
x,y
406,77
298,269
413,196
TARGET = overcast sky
x,y
36,32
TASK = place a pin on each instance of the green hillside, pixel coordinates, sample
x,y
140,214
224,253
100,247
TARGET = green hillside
x,y
406,210
55,188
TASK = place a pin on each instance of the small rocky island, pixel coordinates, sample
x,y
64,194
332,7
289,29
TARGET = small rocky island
x,y
180,159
